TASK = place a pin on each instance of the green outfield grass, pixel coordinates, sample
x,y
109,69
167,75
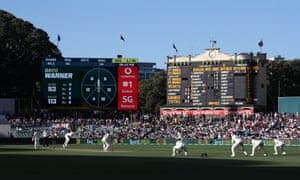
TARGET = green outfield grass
x,y
142,161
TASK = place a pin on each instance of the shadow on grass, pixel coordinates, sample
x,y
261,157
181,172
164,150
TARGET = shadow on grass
x,y
75,167
3,149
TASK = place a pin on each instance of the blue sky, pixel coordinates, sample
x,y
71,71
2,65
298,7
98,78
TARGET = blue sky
x,y
92,28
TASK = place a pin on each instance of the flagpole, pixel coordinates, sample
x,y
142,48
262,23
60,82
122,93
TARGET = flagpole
x,y
57,41
122,40
175,48
261,44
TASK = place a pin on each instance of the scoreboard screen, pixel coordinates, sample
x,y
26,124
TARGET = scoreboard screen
x,y
218,85
90,83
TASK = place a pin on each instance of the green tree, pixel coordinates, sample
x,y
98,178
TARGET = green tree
x,y
283,81
152,93
22,47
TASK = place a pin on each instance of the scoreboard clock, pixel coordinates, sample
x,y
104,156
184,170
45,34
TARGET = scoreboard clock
x,y
98,87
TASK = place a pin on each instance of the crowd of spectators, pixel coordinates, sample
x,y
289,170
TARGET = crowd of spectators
x,y
154,127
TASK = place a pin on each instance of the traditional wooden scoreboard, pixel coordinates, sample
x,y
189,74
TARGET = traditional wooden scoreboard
x,y
215,81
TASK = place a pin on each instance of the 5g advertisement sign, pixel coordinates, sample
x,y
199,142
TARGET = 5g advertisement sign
x,y
127,88
90,83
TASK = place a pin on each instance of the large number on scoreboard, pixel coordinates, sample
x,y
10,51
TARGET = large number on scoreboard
x,y
127,99
51,101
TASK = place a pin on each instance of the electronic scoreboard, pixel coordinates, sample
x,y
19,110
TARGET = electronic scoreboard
x,y
90,83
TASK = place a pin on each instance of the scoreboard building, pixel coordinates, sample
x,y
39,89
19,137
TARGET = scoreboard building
x,y
215,83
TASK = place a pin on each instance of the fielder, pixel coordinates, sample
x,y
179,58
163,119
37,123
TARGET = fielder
x,y
179,146
67,139
279,144
257,144
36,139
107,141
237,141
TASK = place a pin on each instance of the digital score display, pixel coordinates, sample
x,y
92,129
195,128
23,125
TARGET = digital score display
x,y
90,83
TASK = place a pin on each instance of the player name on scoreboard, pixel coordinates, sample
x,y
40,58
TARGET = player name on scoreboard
x,y
214,87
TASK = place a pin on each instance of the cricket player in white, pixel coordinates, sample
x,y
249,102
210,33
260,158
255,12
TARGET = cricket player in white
x,y
36,139
67,139
237,141
257,144
179,146
107,141
279,144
